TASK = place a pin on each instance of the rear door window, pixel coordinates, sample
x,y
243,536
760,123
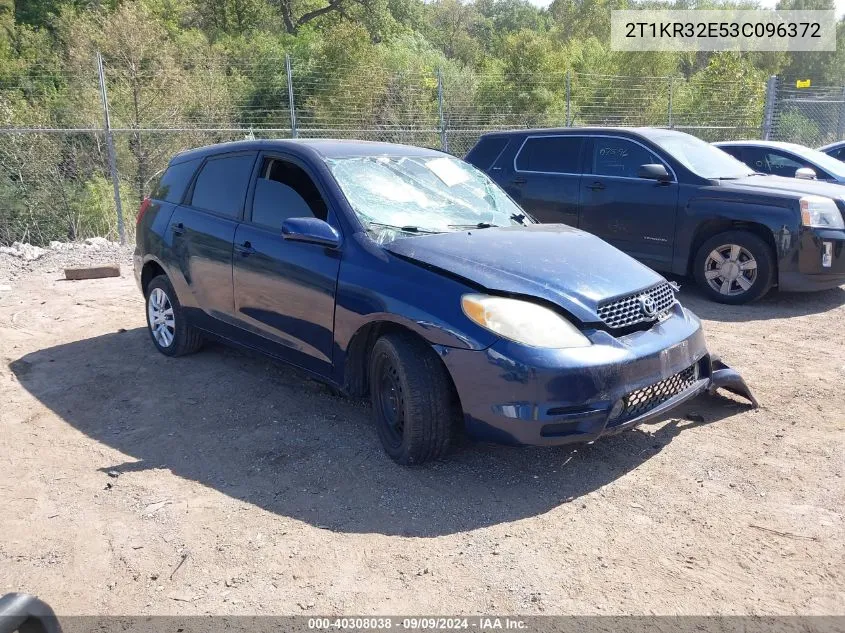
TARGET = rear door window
x,y
620,157
222,183
550,154
175,180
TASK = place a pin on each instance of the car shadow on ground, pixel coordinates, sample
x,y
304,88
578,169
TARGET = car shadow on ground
x,y
775,305
272,437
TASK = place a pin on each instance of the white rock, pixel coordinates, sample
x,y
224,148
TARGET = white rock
x,y
97,242
27,252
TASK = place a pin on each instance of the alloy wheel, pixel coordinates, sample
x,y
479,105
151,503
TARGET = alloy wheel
x,y
730,270
161,318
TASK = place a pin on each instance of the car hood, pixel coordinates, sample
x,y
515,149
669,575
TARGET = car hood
x,y
788,185
555,262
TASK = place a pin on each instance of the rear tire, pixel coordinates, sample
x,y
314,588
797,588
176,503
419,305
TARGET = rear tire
x,y
169,329
734,267
414,403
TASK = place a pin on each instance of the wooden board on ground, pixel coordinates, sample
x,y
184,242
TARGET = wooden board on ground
x,y
94,272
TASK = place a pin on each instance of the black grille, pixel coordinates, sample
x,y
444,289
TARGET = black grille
x,y
644,400
628,310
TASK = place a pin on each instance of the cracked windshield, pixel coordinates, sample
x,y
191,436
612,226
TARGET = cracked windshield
x,y
398,196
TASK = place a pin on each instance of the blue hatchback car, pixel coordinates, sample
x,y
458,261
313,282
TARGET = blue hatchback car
x,y
408,275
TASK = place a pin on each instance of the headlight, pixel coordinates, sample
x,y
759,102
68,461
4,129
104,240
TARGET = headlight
x,y
522,321
821,213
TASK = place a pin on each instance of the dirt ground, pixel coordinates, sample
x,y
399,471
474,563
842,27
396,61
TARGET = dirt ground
x,y
131,483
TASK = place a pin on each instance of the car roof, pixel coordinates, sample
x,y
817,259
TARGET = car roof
x,y
834,145
794,147
644,132
313,148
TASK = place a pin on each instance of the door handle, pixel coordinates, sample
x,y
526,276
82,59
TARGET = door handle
x,y
245,249
178,228
596,186
519,180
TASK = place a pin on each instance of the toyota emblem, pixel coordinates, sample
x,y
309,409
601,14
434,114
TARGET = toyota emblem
x,y
649,309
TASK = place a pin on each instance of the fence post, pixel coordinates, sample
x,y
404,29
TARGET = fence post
x,y
840,133
121,230
293,131
444,141
771,103
671,86
568,99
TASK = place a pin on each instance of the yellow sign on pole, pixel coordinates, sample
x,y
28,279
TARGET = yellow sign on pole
x,y
802,83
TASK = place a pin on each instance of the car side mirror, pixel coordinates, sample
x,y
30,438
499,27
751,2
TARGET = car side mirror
x,y
654,171
805,173
310,230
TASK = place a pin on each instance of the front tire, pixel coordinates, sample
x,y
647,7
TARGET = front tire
x,y
734,267
414,403
169,329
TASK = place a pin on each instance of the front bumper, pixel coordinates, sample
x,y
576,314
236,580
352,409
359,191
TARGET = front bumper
x,y
513,394
820,262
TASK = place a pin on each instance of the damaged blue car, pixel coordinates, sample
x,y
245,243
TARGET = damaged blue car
x,y
408,275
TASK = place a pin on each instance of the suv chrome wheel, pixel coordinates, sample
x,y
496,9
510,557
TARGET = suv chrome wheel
x,y
730,269
161,319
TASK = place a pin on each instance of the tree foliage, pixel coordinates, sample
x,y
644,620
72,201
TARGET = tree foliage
x,y
365,68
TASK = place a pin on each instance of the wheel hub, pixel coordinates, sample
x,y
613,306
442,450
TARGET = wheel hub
x,y
729,270
389,401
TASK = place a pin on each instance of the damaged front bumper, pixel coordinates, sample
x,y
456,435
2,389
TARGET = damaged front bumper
x,y
723,377
513,394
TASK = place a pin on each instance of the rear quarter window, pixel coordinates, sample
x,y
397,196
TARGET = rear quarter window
x,y
486,151
174,181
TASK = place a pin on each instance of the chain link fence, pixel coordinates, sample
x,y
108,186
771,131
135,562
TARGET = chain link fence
x,y
811,116
58,180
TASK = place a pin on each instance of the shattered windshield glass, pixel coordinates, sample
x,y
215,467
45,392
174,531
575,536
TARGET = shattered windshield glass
x,y
398,196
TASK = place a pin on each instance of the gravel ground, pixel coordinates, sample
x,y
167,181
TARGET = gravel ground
x,y
222,483
20,260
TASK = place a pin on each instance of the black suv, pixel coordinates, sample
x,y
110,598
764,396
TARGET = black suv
x,y
678,204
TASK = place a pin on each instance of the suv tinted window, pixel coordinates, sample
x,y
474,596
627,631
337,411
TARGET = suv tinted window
x,y
838,153
555,154
486,151
221,185
620,157
175,180
284,190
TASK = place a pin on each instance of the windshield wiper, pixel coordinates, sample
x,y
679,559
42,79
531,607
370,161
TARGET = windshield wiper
x,y
479,225
519,217
406,229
